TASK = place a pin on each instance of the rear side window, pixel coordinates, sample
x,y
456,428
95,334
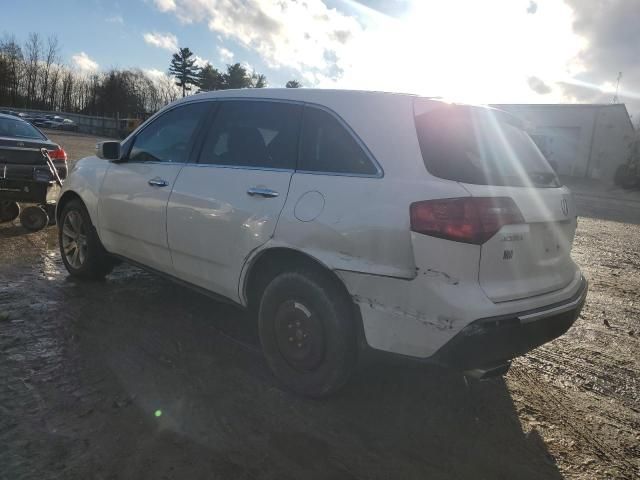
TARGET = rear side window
x,y
255,134
482,147
328,147
169,137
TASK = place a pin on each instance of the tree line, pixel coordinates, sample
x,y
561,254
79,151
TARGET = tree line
x,y
205,78
33,76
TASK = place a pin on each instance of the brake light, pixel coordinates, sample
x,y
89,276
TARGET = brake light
x,y
58,154
469,220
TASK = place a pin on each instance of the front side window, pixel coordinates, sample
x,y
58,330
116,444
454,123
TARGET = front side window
x,y
328,147
255,134
169,138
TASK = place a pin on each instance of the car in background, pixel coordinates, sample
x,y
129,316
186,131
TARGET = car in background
x,y
56,122
345,221
38,121
20,144
68,125
26,176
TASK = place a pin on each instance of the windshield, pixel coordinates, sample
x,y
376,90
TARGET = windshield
x,y
481,146
18,129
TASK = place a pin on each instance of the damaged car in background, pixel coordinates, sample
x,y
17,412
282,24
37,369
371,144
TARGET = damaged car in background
x,y
346,221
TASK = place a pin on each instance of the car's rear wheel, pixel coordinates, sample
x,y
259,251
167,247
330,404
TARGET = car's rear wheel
x,y
82,253
307,332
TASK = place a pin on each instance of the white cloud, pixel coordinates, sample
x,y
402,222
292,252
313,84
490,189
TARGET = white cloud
x,y
226,55
200,62
84,63
165,5
168,41
482,52
154,73
115,19
299,35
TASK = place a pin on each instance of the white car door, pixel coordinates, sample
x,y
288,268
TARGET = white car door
x,y
134,194
229,203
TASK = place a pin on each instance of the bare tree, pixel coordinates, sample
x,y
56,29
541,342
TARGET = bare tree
x,y
51,57
13,60
54,81
33,52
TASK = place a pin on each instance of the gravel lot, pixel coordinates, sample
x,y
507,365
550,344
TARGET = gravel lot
x,y
136,377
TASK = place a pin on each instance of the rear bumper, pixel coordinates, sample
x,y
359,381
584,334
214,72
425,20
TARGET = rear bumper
x,y
490,342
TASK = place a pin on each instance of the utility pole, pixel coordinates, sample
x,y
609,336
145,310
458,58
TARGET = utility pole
x,y
615,97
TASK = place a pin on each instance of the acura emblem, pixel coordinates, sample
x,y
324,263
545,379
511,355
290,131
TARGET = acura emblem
x,y
565,206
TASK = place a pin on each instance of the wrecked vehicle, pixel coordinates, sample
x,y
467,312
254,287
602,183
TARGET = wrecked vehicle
x,y
346,220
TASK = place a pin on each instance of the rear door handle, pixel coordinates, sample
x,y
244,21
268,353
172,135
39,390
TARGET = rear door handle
x,y
158,182
262,192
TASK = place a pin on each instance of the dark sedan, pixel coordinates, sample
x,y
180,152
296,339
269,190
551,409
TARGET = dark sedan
x,y
26,175
20,145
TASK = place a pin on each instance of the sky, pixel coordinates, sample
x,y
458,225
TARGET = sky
x,y
478,51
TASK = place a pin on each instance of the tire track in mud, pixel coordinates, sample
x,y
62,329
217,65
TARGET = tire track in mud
x,y
564,412
608,383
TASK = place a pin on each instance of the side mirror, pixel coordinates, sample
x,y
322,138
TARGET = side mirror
x,y
109,150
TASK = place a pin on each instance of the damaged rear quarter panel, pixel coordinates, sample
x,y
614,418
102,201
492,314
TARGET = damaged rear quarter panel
x,y
416,317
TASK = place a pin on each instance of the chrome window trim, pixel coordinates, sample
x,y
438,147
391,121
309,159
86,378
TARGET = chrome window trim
x,y
237,167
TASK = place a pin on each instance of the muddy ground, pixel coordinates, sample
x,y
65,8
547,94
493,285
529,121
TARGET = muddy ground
x,y
136,377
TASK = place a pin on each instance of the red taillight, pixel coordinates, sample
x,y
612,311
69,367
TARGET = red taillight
x,y
58,154
469,220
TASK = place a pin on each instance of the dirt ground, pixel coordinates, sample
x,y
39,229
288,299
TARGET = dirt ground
x,y
136,377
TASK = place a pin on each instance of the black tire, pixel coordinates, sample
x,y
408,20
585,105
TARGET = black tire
x,y
308,333
51,211
34,218
94,261
9,211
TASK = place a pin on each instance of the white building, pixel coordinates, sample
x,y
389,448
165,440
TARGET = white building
x,y
582,140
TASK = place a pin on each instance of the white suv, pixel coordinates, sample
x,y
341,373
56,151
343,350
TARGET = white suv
x,y
346,220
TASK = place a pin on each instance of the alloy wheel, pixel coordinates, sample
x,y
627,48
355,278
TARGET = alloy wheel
x,y
74,239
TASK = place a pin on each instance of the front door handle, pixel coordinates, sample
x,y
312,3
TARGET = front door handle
x,y
158,182
262,192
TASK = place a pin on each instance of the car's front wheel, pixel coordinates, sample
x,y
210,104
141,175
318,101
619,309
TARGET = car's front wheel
x,y
82,253
308,332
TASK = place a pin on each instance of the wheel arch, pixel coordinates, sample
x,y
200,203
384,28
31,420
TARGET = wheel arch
x,y
269,262
64,200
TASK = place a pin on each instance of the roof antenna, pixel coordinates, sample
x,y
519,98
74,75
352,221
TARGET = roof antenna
x,y
615,97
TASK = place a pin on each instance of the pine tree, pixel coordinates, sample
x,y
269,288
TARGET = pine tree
x,y
210,78
184,68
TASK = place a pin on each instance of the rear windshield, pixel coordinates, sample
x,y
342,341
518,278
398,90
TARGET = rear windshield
x,y
482,147
18,129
